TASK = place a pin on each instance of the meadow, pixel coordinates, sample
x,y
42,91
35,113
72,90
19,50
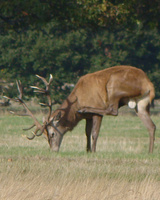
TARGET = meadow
x,y
121,169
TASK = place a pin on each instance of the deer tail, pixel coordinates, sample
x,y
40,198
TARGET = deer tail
x,y
152,92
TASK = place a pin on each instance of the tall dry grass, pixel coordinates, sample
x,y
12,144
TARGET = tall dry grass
x,y
70,180
77,178
121,168
64,189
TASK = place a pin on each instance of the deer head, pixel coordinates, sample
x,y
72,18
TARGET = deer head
x,y
49,127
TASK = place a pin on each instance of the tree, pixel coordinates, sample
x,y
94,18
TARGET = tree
x,y
111,14
71,38
49,51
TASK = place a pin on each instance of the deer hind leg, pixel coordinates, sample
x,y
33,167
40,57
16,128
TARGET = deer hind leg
x,y
142,111
112,108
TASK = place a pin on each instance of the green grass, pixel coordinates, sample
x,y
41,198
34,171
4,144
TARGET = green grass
x,y
120,169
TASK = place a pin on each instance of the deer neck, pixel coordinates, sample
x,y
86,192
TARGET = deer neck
x,y
70,117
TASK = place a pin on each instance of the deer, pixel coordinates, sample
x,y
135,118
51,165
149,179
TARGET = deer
x,y
95,95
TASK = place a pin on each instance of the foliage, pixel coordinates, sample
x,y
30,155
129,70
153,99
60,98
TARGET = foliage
x,y
111,14
71,38
62,53
68,54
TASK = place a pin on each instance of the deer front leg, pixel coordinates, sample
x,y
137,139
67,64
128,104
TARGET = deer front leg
x,y
88,133
96,123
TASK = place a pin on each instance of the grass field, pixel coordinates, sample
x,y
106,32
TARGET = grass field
x,y
121,169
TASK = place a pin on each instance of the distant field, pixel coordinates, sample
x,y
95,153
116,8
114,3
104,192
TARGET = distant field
x,y
121,169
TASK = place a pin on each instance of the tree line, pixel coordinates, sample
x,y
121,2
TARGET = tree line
x,y
78,37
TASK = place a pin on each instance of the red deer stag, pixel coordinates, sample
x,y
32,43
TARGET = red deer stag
x,y
95,95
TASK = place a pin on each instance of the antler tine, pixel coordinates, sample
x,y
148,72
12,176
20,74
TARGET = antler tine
x,y
40,132
19,99
46,92
20,90
28,112
34,133
31,138
50,79
19,114
38,89
15,100
49,106
43,79
26,129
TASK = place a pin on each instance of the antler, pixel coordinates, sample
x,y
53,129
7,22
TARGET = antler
x,y
36,123
46,92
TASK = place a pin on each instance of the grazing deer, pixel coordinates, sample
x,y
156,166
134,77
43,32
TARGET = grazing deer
x,y
95,95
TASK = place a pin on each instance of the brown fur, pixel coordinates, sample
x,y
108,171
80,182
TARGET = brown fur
x,y
102,93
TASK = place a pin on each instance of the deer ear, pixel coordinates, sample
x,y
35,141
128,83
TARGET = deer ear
x,y
57,117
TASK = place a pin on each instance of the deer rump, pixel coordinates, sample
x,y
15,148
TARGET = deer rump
x,y
112,88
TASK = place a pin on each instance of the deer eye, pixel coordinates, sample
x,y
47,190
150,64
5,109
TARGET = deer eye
x,y
52,135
